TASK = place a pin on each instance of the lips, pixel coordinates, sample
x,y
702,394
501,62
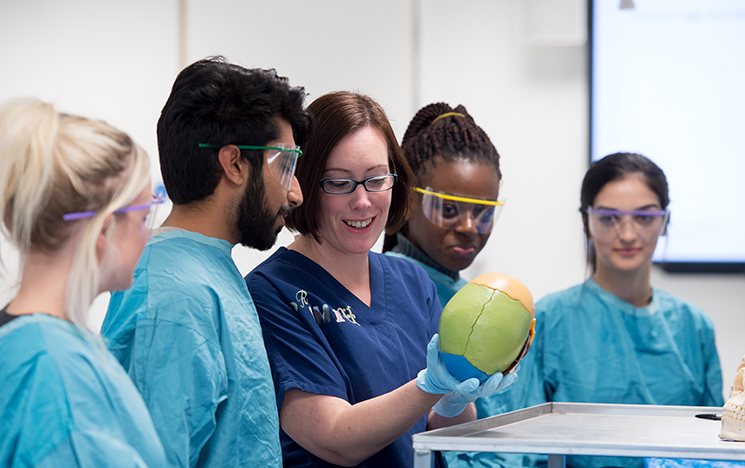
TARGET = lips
x,y
464,250
359,224
283,213
628,252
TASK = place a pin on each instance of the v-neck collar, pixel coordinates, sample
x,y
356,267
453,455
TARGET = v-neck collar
x,y
620,304
377,276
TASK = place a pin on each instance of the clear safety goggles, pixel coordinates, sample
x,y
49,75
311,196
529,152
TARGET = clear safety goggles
x,y
281,159
449,211
151,206
606,225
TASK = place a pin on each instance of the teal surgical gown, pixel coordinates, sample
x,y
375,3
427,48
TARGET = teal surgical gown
x,y
446,285
66,402
188,334
593,347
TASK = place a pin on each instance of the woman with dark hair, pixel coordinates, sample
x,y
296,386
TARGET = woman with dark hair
x,y
615,338
348,331
458,179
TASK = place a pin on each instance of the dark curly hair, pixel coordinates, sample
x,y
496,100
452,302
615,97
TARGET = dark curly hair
x,y
438,130
216,102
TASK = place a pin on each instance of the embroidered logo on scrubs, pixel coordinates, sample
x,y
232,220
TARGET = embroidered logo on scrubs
x,y
324,314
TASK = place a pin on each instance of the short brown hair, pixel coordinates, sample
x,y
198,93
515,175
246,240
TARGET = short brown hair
x,y
335,116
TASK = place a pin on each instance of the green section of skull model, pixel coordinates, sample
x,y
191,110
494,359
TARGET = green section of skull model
x,y
485,326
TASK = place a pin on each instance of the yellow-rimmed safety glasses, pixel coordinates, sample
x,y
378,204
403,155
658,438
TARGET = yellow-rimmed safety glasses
x,y
606,225
448,210
281,159
151,206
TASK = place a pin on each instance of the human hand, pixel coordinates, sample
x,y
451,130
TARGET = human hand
x,y
454,403
435,378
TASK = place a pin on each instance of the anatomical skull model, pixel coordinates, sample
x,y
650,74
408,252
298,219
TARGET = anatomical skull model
x,y
733,417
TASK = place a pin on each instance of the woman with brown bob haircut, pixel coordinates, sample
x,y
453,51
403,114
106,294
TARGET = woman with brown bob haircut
x,y
348,331
345,113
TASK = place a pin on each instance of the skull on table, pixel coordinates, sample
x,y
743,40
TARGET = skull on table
x,y
733,417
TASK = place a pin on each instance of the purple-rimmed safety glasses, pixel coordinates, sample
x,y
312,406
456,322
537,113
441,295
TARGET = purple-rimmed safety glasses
x,y
606,225
151,206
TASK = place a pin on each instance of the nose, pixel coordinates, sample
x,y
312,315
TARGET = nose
x,y
361,199
627,231
466,224
295,195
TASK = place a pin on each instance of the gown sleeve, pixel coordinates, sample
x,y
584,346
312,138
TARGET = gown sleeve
x,y
181,373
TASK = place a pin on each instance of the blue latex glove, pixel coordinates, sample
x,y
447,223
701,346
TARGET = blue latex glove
x,y
436,379
454,403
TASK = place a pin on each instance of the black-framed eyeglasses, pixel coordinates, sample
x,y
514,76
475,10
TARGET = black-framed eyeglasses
x,y
379,183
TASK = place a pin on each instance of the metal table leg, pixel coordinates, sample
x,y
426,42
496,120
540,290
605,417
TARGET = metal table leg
x,y
557,461
422,459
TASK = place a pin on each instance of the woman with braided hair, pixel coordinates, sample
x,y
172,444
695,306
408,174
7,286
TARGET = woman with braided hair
x,y
457,168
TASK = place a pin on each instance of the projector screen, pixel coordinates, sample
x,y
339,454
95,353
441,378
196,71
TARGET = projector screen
x,y
668,81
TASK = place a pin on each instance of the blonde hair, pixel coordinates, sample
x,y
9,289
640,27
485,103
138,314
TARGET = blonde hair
x,y
52,164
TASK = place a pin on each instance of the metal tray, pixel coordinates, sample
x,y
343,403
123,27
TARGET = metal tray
x,y
588,429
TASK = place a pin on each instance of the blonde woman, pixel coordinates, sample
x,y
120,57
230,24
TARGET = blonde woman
x,y
75,199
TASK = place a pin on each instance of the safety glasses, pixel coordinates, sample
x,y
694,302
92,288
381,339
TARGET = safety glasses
x,y
606,225
449,211
151,206
281,159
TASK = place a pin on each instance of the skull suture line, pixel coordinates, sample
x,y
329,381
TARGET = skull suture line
x,y
733,417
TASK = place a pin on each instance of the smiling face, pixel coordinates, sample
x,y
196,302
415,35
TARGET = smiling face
x,y
627,251
351,223
454,248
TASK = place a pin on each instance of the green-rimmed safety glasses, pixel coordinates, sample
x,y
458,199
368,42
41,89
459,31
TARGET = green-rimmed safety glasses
x,y
379,183
606,225
281,159
448,210
151,206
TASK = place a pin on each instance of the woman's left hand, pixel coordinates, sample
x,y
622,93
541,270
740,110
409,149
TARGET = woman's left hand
x,y
436,379
454,403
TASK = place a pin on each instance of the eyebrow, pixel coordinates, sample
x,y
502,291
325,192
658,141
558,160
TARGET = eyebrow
x,y
650,207
348,171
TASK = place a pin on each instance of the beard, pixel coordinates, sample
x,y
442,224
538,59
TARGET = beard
x,y
256,223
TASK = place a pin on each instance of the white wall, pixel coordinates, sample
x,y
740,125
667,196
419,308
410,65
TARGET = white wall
x,y
533,102
113,61
117,61
324,46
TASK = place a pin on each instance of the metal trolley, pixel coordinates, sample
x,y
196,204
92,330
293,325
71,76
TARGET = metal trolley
x,y
560,429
